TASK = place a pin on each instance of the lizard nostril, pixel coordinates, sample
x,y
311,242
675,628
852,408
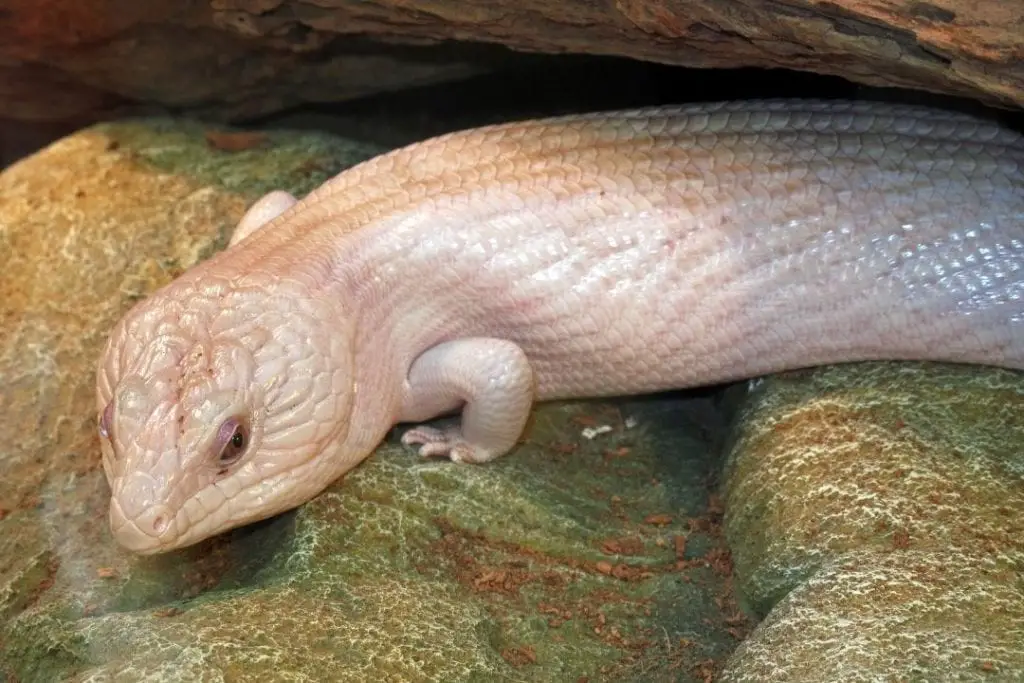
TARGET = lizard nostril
x,y
155,521
145,534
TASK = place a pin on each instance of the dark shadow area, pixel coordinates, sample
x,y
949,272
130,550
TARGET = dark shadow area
x,y
553,85
514,86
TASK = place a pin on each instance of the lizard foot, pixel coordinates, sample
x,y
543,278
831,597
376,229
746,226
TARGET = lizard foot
x,y
445,443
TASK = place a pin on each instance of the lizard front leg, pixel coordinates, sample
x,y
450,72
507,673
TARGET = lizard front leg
x,y
265,209
490,379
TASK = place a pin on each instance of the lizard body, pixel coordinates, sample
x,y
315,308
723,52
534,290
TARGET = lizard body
x,y
589,255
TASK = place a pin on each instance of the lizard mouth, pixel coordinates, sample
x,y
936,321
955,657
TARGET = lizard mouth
x,y
154,530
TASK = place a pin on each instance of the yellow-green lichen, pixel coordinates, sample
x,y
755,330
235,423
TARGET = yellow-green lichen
x,y
570,557
876,515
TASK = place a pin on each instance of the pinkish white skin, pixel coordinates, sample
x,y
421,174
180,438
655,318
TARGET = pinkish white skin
x,y
594,255
269,207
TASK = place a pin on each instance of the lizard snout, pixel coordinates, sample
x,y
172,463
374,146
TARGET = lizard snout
x,y
138,522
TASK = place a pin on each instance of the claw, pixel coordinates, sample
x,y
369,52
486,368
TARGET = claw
x,y
447,443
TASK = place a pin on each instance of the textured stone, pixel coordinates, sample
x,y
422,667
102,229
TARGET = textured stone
x,y
233,58
63,58
883,505
874,511
570,558
903,616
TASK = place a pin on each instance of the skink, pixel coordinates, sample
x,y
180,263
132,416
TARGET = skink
x,y
589,255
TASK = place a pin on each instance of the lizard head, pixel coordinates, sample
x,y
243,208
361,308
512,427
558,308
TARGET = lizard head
x,y
216,401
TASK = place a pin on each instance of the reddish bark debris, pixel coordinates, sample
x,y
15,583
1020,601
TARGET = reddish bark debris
x,y
500,569
720,561
623,572
680,546
519,656
558,615
620,452
658,520
234,141
706,670
563,448
623,546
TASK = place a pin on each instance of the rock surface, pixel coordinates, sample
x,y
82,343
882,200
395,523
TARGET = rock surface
x,y
909,616
573,558
874,511
244,58
876,515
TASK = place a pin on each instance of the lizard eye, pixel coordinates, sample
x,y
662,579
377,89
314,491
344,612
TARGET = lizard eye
x,y
106,419
232,438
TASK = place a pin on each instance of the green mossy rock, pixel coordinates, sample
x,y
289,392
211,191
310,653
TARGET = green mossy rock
x,y
876,514
570,558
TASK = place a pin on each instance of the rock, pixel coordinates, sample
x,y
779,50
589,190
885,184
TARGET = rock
x,y
244,58
876,514
949,46
69,59
21,138
570,558
877,615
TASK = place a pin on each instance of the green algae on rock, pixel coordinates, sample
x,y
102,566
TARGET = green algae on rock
x,y
883,504
878,615
87,226
571,557
848,490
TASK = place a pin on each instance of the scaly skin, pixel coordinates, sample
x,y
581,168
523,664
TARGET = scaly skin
x,y
596,255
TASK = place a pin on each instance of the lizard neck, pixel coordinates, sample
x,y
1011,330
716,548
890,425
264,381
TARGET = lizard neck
x,y
371,282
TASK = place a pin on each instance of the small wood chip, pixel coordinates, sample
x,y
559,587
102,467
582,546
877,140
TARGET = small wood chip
x,y
234,142
658,520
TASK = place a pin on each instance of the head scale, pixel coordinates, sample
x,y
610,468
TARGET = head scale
x,y
216,401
